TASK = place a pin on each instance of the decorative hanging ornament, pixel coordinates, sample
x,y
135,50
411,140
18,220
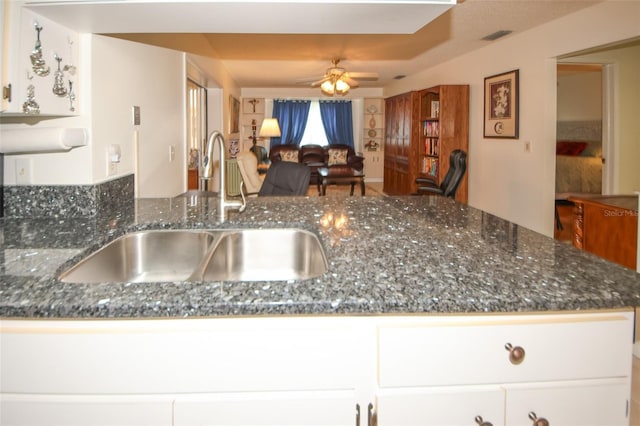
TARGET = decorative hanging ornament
x,y
38,64
59,88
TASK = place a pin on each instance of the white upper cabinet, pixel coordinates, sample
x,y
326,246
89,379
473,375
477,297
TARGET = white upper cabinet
x,y
38,64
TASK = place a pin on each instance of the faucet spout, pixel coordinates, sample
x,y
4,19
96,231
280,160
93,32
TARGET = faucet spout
x,y
223,203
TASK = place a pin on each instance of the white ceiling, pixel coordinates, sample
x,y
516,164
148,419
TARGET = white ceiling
x,y
267,44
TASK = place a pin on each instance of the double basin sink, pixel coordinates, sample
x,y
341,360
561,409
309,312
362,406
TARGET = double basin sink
x,y
203,255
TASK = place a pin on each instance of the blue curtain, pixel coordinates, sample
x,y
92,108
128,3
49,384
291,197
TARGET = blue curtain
x,y
337,122
292,117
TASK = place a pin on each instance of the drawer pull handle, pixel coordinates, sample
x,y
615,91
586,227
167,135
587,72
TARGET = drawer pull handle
x,y
516,354
357,414
538,421
481,422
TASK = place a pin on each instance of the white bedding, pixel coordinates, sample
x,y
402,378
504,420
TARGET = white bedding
x,y
576,174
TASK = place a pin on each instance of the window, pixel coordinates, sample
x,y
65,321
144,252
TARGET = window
x,y
314,132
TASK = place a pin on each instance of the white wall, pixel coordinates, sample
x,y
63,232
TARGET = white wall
x,y
127,74
503,178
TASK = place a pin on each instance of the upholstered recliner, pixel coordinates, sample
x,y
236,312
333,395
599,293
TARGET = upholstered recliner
x,y
251,179
287,152
341,156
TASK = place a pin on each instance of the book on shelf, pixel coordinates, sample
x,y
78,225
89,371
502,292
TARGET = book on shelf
x,y
431,146
435,109
431,129
430,166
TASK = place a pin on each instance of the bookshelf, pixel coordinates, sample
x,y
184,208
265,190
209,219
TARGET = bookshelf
x,y
423,127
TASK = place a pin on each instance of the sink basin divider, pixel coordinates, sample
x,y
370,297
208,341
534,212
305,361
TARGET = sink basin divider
x,y
198,273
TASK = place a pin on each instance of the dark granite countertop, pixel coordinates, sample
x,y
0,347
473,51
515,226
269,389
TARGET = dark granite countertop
x,y
394,255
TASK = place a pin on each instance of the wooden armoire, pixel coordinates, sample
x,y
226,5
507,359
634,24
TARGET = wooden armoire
x,y
422,128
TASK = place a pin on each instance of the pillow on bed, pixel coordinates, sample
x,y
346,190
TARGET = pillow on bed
x,y
570,147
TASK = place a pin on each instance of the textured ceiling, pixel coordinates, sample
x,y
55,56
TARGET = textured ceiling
x,y
275,59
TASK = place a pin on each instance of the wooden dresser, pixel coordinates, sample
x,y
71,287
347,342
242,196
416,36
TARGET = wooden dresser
x,y
607,226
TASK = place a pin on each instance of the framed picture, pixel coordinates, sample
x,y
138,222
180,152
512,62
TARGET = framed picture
x,y
234,115
501,105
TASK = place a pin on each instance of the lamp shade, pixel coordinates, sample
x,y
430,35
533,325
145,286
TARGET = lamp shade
x,y
270,128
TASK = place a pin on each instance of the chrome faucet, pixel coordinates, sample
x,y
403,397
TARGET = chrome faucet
x,y
207,174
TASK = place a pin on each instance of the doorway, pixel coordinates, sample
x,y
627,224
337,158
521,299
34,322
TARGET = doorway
x,y
579,139
197,113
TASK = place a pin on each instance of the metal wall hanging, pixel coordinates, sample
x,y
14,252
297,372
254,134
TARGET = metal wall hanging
x,y
59,88
72,96
30,106
38,63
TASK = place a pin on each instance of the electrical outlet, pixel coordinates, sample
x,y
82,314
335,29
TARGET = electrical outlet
x,y
24,174
527,146
172,153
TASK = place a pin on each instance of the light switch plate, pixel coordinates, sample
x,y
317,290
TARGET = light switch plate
x,y
136,115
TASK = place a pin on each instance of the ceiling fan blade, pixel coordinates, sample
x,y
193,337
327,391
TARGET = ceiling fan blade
x,y
308,80
319,82
350,81
370,76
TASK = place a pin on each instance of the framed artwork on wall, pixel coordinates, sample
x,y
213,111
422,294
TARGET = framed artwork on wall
x,y
234,115
501,105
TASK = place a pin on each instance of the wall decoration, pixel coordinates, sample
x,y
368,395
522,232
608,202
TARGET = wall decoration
x,y
501,105
234,115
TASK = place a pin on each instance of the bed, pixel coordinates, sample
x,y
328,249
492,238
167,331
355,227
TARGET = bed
x,y
578,159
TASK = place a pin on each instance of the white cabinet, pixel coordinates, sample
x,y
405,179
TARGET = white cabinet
x,y
373,165
566,369
238,371
33,81
412,370
83,410
313,408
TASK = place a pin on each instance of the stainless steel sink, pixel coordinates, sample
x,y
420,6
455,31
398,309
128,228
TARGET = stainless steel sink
x,y
210,255
266,255
145,256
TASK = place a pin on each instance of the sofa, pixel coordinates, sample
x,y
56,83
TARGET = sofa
x,y
335,157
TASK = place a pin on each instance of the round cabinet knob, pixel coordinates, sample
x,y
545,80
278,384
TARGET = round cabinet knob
x,y
538,421
516,353
481,422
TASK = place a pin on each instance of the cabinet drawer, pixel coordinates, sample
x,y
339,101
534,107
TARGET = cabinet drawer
x,y
441,406
472,350
176,356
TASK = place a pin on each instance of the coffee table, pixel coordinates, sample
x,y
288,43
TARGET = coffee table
x,y
339,176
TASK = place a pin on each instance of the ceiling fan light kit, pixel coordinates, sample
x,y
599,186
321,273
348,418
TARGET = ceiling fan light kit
x,y
338,81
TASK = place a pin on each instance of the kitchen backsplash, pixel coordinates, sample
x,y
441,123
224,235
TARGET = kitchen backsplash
x,y
67,200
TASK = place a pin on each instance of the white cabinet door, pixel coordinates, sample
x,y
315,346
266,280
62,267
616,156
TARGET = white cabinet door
x,y
85,410
373,165
19,43
570,404
445,406
306,408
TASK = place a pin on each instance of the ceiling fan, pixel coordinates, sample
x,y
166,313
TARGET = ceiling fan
x,y
337,80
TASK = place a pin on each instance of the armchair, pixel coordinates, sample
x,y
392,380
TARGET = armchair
x,y
251,179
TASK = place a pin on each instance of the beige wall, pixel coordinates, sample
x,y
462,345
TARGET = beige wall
x,y
503,178
580,96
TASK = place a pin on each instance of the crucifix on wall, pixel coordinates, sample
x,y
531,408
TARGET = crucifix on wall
x,y
253,103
